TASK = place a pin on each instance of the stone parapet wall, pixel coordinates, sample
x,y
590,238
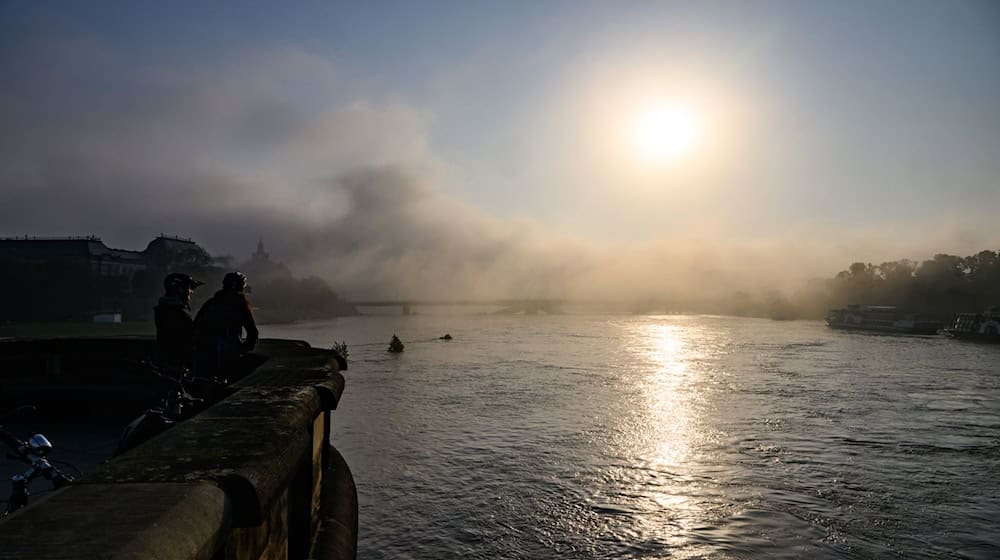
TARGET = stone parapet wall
x,y
252,477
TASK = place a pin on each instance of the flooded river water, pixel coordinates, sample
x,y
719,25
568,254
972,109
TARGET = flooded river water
x,y
587,436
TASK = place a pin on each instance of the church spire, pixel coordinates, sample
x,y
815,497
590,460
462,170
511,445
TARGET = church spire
x,y
260,254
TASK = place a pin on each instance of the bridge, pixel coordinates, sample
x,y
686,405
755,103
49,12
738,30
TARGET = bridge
x,y
508,306
531,306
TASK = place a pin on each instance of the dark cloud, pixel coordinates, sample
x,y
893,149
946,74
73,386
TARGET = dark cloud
x,y
226,158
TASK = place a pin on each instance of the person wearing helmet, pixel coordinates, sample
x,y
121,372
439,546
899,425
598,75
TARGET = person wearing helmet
x,y
174,326
218,328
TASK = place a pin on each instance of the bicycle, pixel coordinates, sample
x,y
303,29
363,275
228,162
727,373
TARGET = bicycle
x,y
176,405
34,452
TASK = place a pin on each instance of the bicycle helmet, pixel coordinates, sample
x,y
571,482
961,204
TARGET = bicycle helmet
x,y
175,282
234,281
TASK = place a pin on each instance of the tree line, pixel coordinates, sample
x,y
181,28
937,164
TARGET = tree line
x,y
938,287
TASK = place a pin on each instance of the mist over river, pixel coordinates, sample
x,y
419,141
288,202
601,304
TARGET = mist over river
x,y
616,436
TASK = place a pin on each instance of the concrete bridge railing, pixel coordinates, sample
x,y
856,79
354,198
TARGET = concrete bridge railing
x,y
252,477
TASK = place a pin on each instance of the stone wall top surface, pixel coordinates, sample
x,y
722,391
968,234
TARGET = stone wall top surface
x,y
178,491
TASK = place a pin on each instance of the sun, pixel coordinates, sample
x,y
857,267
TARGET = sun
x,y
663,134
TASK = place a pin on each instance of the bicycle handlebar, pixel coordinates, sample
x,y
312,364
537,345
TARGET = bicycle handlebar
x,y
39,464
33,453
176,374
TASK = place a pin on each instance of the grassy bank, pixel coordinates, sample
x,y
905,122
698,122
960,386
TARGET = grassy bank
x,y
49,330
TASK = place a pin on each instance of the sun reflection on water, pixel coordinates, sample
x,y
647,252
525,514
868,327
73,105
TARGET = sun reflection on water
x,y
662,482
667,396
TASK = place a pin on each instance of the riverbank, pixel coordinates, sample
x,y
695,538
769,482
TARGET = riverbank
x,y
127,328
81,329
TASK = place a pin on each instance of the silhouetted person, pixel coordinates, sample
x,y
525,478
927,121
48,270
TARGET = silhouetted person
x,y
218,327
174,326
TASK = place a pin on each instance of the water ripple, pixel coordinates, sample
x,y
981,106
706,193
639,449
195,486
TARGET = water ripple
x,y
671,436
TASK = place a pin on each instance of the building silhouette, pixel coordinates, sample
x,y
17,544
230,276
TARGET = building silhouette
x,y
78,278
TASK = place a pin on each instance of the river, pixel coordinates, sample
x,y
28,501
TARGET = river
x,y
617,436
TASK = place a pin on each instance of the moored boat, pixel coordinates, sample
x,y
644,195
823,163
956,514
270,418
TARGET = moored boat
x,y
880,318
981,327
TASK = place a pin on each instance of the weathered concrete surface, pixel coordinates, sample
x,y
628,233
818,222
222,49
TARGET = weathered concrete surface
x,y
160,522
253,465
263,449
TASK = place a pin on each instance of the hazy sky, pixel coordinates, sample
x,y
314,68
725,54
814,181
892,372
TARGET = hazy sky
x,y
495,148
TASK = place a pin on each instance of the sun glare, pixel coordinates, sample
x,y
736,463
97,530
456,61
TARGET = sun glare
x,y
664,134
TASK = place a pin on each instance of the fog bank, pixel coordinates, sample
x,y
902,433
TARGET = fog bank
x,y
278,145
